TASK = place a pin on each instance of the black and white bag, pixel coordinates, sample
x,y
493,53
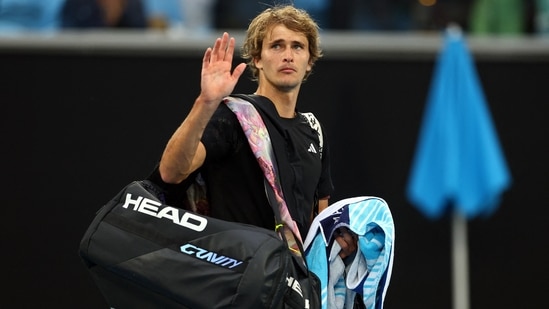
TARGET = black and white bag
x,y
143,254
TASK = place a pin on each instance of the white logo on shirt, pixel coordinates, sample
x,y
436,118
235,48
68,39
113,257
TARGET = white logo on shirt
x,y
312,148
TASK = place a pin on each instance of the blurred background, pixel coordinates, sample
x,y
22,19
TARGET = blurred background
x,y
510,17
93,89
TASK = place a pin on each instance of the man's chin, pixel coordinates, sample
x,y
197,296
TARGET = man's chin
x,y
288,87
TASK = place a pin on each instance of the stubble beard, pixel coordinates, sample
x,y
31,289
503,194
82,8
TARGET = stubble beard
x,y
287,85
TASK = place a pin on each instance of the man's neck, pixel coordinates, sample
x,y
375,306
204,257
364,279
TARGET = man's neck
x,y
285,102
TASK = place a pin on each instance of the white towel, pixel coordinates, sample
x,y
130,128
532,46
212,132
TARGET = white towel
x,y
336,279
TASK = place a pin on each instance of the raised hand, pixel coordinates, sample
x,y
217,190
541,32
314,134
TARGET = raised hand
x,y
217,79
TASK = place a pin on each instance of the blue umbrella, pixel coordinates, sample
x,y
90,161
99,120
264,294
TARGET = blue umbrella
x,y
458,160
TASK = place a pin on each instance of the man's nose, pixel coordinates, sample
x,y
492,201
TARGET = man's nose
x,y
288,55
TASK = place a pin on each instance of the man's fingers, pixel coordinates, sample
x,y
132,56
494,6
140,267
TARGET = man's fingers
x,y
215,50
206,58
223,49
230,50
224,46
347,241
238,70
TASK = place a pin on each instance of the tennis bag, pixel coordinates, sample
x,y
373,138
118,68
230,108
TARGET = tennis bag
x,y
142,253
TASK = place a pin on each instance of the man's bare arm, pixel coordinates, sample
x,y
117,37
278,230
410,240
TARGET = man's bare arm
x,y
322,204
184,152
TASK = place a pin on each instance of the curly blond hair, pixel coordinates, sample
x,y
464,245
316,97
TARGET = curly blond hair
x,y
292,18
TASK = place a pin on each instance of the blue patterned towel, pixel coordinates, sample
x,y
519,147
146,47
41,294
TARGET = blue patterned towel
x,y
370,218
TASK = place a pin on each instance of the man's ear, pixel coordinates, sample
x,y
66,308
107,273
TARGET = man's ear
x,y
258,63
310,66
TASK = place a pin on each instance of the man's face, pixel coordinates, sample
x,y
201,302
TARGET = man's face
x,y
284,58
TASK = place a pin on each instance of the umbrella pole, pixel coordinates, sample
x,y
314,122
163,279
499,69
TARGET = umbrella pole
x,y
460,265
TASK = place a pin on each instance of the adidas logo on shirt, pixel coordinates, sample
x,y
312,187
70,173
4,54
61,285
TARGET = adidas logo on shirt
x,y
311,148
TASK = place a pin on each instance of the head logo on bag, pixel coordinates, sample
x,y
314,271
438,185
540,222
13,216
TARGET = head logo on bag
x,y
152,208
294,285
